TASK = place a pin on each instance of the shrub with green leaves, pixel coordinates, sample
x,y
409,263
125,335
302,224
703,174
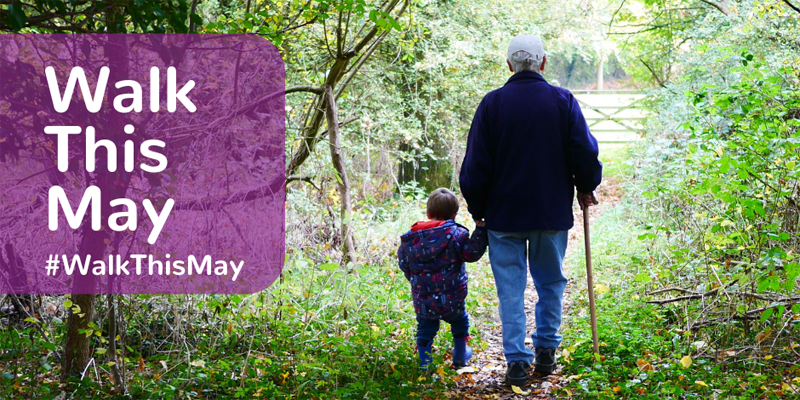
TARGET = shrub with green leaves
x,y
722,190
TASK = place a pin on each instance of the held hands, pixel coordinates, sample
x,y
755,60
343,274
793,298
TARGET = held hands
x,y
587,200
480,223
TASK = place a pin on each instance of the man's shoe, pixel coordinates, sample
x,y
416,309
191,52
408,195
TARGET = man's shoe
x,y
461,352
545,362
517,373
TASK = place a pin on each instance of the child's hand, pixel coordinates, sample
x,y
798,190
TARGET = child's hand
x,y
480,223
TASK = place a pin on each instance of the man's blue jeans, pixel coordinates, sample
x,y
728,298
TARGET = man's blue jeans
x,y
510,255
427,328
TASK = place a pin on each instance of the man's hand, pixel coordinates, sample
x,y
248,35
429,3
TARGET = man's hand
x,y
587,200
480,223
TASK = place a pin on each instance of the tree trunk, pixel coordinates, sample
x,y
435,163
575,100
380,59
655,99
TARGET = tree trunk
x,y
77,352
570,71
600,68
119,383
113,185
76,348
18,279
343,183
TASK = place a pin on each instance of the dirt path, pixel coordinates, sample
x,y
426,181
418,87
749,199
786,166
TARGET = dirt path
x,y
488,380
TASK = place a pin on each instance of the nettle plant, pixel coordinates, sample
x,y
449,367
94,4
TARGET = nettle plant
x,y
732,203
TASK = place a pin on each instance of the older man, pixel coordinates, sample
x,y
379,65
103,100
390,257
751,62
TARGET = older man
x,y
528,149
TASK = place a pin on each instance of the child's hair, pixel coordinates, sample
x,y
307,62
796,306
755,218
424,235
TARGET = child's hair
x,y
442,204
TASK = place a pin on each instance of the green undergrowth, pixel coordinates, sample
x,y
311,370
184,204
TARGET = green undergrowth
x,y
323,331
644,353
617,165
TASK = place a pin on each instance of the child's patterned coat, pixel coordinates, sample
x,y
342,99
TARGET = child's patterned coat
x,y
433,261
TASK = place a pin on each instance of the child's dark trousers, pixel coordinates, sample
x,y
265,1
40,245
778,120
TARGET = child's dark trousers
x,y
427,328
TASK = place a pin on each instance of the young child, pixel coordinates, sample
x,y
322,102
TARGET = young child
x,y
432,256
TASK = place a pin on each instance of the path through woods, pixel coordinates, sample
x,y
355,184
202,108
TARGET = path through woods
x,y
488,379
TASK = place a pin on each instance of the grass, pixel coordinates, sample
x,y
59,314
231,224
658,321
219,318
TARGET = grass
x,y
327,331
320,333
323,331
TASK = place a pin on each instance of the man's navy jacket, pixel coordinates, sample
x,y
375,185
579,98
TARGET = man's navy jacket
x,y
528,149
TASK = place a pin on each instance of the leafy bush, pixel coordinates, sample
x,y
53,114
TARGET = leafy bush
x,y
722,190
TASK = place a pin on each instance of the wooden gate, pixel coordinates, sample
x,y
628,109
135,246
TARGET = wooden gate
x,y
614,116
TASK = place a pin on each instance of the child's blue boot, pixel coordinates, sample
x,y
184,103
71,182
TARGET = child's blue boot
x,y
425,355
461,352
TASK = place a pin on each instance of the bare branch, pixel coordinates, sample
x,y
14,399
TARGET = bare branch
x,y
747,315
614,16
792,6
312,89
341,124
671,289
217,202
343,182
291,28
719,5
303,178
253,104
360,63
658,80
690,297
192,27
683,298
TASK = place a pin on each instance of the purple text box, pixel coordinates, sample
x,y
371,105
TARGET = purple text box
x,y
173,145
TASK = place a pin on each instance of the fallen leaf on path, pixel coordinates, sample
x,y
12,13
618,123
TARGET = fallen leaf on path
x,y
686,362
517,390
491,367
465,370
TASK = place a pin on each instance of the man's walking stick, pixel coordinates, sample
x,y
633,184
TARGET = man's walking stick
x,y
589,278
